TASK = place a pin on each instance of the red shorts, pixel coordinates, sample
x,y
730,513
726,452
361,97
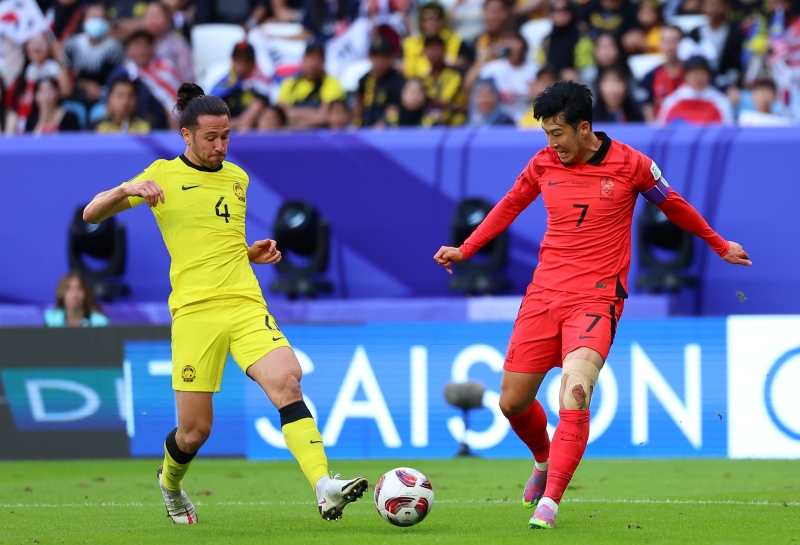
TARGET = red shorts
x,y
551,324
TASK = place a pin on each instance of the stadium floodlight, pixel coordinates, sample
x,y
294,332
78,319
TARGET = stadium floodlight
x,y
481,274
99,252
303,237
665,253
465,396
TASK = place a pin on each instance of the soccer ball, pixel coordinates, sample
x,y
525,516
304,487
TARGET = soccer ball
x,y
404,496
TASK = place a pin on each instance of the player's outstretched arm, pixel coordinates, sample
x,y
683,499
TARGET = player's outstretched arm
x,y
114,201
264,252
448,255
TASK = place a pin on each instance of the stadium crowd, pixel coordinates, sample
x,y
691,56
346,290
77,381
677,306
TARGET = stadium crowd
x,y
115,66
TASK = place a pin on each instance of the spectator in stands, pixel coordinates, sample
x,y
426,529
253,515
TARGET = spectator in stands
x,y
66,16
379,88
325,19
169,45
2,107
47,116
413,111
512,75
39,65
75,305
121,110
273,119
246,90
664,79
92,55
546,76
339,115
526,10
486,110
307,96
608,53
126,17
646,38
614,102
246,13
759,105
562,46
615,17
696,101
726,40
432,22
442,86
183,15
156,80
489,45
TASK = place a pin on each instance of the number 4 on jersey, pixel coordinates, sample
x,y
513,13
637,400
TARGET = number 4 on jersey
x,y
225,214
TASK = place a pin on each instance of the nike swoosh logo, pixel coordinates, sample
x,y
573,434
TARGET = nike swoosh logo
x,y
171,473
554,183
185,187
586,337
312,442
277,338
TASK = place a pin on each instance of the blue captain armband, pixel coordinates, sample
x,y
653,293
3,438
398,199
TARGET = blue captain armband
x,y
659,192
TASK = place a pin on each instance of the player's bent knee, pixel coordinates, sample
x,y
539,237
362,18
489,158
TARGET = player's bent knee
x,y
510,406
579,378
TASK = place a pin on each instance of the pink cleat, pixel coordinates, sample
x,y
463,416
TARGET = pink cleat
x,y
544,518
534,489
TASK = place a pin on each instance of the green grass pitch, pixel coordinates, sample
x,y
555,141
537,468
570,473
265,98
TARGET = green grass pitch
x,y
477,501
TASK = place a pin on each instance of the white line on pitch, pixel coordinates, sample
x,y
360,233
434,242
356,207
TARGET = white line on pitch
x,y
566,500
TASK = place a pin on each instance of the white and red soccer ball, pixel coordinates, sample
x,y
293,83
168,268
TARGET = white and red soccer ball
x,y
404,496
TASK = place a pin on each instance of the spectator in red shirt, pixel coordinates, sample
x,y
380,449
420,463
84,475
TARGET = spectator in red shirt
x,y
696,101
666,78
169,45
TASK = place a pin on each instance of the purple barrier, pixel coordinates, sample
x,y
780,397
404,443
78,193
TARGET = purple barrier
x,y
390,195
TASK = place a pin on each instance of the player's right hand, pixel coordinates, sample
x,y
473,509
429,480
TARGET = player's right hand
x,y
150,191
448,255
736,254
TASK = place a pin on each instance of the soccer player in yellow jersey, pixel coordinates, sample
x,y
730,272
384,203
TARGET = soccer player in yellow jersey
x,y
199,201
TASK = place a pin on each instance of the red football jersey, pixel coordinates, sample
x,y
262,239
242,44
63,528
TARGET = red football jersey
x,y
587,246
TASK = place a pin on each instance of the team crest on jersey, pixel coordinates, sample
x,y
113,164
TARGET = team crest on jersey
x,y
606,187
655,171
238,191
188,373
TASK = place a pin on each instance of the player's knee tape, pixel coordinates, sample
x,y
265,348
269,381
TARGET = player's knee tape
x,y
576,373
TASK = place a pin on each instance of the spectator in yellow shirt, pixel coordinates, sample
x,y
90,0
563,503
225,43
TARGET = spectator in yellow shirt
x,y
443,86
432,22
121,110
306,98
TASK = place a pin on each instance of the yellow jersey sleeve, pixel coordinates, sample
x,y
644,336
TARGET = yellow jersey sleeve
x,y
285,95
331,90
150,173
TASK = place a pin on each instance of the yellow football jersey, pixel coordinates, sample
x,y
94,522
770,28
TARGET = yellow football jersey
x,y
202,222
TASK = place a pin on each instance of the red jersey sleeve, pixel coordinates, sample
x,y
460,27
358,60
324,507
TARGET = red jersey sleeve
x,y
655,188
524,192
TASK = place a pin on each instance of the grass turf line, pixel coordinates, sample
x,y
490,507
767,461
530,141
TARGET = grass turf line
x,y
477,501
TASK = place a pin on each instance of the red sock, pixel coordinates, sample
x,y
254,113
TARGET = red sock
x,y
531,427
569,443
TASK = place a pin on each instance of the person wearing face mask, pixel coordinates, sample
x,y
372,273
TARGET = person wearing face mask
x,y
92,55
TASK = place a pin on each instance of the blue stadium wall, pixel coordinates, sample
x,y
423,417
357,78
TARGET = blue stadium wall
x,y
690,387
390,196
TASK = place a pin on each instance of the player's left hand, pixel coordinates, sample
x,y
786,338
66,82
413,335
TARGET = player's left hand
x,y
736,254
264,252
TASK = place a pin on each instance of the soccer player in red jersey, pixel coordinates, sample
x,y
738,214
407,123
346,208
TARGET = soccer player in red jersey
x,y
569,315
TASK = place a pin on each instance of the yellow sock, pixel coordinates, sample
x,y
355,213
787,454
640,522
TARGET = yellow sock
x,y
173,472
305,443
